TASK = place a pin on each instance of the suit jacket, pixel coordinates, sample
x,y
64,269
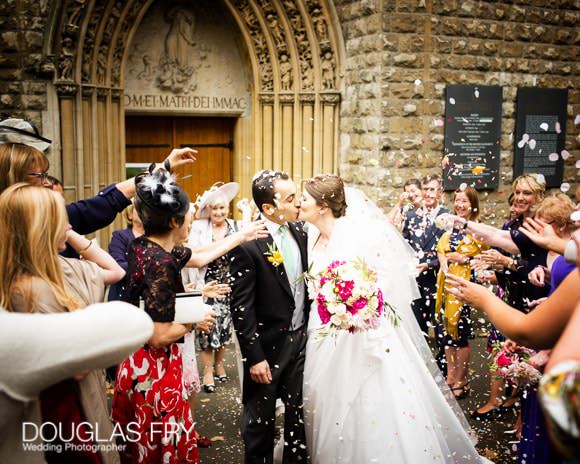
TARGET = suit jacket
x,y
426,242
262,303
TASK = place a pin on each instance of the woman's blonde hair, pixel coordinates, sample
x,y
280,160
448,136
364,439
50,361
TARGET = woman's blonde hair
x,y
33,222
557,208
16,161
538,187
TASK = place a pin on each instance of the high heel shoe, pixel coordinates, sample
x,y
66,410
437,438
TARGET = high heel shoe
x,y
484,416
221,378
464,391
209,387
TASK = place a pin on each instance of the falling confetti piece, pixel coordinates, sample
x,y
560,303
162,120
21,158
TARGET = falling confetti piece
x,y
544,126
541,179
476,93
532,144
575,216
204,400
417,81
565,154
578,164
478,170
217,438
373,162
553,157
452,101
558,129
577,120
438,122
565,187
463,186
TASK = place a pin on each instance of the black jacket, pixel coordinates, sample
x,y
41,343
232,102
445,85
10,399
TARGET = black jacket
x,y
262,304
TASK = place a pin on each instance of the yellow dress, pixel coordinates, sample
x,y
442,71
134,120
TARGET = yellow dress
x,y
470,247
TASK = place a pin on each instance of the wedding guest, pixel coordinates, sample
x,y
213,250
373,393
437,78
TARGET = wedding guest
x,y
119,247
56,185
539,329
213,225
420,231
36,279
22,159
156,370
63,345
558,391
490,264
528,191
454,330
409,199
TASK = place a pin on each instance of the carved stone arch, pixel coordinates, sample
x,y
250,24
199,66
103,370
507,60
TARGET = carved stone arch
x,y
294,118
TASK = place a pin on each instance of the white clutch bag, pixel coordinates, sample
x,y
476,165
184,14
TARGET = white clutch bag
x,y
189,308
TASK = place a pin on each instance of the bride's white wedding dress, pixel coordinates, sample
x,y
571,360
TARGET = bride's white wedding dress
x,y
377,396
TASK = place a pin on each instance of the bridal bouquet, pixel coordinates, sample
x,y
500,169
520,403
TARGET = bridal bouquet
x,y
348,298
514,366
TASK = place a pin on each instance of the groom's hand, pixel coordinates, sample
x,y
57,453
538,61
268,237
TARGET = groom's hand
x,y
260,372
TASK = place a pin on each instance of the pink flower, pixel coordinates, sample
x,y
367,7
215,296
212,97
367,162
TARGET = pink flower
x,y
323,312
381,301
358,305
502,360
345,289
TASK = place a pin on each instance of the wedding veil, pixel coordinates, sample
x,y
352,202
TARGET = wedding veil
x,y
366,232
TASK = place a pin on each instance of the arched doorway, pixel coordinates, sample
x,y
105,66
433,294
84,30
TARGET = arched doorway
x,y
294,55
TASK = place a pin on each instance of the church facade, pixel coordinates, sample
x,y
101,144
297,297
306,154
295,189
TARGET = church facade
x,y
308,86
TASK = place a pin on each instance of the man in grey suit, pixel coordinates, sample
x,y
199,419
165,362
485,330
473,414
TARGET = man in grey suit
x,y
420,231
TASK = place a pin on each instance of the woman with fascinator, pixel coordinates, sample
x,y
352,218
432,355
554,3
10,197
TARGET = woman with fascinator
x,y
149,390
213,224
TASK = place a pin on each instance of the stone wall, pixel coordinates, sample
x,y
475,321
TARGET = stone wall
x,y
23,75
400,55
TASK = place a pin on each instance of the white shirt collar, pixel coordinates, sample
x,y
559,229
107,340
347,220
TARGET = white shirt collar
x,y
272,227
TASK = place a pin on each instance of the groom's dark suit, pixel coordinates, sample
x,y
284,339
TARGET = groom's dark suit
x,y
263,304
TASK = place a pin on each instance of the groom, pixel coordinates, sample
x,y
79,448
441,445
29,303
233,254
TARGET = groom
x,y
269,310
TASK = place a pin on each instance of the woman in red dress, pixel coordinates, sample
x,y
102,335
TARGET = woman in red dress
x,y
150,401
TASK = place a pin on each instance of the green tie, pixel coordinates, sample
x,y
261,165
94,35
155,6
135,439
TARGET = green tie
x,y
287,252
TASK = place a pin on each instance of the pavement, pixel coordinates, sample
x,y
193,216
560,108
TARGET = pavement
x,y
218,413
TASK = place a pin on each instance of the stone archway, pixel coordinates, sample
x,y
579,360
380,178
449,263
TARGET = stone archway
x,y
295,49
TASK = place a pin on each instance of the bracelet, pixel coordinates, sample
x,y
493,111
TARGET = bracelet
x,y
85,248
465,225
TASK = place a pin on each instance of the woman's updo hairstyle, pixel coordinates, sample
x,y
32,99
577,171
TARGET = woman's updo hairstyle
x,y
328,190
159,199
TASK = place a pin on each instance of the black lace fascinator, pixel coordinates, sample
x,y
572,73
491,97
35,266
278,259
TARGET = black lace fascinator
x,y
159,199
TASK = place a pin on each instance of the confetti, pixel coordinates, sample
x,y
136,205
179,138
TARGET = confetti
x,y
565,154
476,93
532,144
578,164
417,81
478,170
544,126
452,101
553,157
565,187
575,216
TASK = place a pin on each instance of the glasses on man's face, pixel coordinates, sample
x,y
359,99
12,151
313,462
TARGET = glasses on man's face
x,y
43,176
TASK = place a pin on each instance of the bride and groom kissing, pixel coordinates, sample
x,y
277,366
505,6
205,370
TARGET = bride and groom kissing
x,y
366,396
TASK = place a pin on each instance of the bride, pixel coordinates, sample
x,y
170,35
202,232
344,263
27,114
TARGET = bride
x,y
373,396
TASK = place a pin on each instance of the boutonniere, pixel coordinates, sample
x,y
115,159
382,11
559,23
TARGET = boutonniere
x,y
274,255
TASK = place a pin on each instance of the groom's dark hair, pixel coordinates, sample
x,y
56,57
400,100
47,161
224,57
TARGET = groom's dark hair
x,y
263,189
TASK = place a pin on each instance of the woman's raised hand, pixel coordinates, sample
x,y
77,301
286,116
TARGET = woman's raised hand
x,y
254,230
214,290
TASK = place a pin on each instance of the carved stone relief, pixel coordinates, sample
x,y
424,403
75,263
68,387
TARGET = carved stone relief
x,y
70,32
185,58
261,48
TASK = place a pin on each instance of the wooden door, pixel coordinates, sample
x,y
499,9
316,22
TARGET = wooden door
x,y
151,138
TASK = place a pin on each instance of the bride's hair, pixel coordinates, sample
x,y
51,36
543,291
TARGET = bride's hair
x,y
328,190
